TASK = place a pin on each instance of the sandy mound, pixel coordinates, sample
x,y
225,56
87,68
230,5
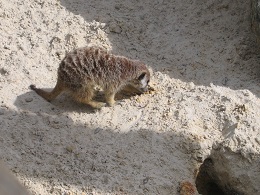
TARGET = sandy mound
x,y
205,104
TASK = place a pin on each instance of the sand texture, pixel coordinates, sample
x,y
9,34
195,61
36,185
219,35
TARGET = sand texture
x,y
205,63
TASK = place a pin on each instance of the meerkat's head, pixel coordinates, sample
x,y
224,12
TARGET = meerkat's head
x,y
142,81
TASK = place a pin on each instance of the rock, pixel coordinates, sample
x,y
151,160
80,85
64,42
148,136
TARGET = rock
x,y
4,72
97,130
235,171
70,149
115,28
29,99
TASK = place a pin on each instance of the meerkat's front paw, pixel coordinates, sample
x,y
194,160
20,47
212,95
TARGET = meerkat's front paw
x,y
99,105
96,105
111,102
110,99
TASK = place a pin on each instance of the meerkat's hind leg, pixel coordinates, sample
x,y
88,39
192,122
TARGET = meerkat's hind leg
x,y
85,96
49,95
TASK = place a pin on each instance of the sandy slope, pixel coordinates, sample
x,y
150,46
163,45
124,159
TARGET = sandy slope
x,y
206,101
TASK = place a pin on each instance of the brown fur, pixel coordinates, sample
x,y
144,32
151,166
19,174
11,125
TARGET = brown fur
x,y
84,68
186,188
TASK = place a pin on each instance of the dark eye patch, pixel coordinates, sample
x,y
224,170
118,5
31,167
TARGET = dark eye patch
x,y
141,76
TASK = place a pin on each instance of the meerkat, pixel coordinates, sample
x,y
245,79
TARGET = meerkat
x,y
85,68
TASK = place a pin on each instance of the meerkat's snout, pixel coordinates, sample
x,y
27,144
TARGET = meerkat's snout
x,y
144,89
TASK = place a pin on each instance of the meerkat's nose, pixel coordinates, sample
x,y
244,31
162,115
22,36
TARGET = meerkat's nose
x,y
144,89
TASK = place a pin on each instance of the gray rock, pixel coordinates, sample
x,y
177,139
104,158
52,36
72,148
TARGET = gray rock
x,y
29,99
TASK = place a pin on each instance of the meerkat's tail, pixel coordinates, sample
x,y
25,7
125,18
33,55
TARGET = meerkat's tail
x,y
48,95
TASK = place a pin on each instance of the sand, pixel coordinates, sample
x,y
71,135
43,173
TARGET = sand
x,y
205,66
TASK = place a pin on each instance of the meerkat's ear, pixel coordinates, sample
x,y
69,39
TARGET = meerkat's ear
x,y
141,76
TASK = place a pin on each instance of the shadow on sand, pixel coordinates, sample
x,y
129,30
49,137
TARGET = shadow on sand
x,y
42,143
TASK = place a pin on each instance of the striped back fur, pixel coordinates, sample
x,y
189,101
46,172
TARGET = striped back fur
x,y
96,66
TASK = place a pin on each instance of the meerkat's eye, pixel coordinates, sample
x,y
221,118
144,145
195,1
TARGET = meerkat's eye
x,y
141,76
